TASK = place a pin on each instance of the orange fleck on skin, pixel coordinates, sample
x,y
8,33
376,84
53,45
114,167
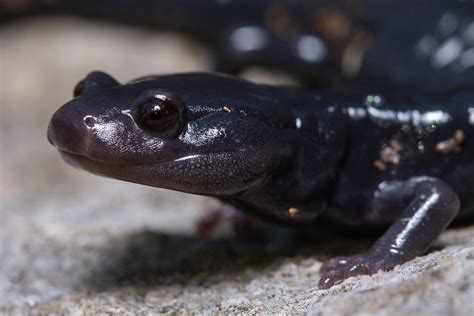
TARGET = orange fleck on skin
x,y
332,24
226,109
452,145
292,211
277,19
379,164
459,137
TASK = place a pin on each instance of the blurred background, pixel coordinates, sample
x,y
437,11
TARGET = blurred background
x,y
71,242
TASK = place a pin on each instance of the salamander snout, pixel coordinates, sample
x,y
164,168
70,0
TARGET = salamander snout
x,y
70,127
68,130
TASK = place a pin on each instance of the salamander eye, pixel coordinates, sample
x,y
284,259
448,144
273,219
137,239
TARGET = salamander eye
x,y
161,114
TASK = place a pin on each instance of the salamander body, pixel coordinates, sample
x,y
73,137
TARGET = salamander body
x,y
285,155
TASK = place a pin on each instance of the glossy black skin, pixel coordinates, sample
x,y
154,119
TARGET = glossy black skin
x,y
270,149
332,43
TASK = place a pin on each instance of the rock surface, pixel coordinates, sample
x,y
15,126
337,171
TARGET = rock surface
x,y
73,243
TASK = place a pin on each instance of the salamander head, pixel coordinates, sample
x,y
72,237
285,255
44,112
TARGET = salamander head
x,y
198,133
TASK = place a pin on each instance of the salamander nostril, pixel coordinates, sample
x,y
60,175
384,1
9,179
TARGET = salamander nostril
x,y
89,121
69,130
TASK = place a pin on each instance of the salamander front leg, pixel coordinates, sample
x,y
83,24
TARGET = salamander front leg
x,y
427,206
227,221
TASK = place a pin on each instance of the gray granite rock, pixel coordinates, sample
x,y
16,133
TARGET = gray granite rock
x,y
73,243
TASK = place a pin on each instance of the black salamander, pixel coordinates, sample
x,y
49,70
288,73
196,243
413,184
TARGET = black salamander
x,y
285,155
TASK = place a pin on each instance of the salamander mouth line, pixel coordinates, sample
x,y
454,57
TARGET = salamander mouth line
x,y
74,155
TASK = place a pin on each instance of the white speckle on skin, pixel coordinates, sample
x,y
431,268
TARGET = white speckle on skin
x,y
467,59
374,100
415,117
468,35
426,45
382,185
471,115
377,99
311,48
434,117
357,113
248,38
161,97
386,115
448,23
298,123
448,52
331,109
421,146
403,117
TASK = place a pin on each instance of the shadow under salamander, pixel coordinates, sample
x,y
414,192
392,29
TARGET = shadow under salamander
x,y
148,258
